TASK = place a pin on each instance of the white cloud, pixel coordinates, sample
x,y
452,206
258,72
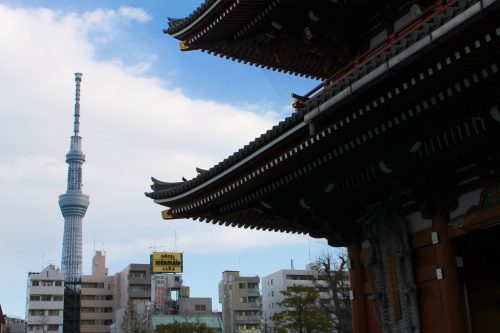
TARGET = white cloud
x,y
137,14
132,127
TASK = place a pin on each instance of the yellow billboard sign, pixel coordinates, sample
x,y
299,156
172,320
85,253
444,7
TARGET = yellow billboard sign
x,y
166,262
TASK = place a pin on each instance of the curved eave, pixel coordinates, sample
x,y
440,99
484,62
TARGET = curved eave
x,y
269,64
206,179
383,65
468,63
180,26
218,15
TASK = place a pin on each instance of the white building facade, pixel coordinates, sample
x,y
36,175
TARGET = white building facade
x,y
45,301
281,280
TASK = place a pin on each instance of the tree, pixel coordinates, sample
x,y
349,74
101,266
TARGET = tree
x,y
332,273
300,311
133,321
186,327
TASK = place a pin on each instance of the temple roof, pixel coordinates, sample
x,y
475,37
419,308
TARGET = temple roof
x,y
170,189
313,38
370,137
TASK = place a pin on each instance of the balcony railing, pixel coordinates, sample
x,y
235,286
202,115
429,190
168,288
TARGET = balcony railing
x,y
253,305
253,290
246,319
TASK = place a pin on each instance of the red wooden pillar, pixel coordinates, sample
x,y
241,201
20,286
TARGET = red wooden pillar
x,y
450,283
358,303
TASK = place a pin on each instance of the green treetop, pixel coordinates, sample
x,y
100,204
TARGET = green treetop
x,y
300,311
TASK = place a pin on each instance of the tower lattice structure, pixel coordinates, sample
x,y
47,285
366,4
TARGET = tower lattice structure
x,y
74,203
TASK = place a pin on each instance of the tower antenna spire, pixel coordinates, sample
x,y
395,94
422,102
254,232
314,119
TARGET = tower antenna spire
x,y
78,80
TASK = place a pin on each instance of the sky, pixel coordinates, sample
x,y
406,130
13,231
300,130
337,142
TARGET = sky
x,y
147,109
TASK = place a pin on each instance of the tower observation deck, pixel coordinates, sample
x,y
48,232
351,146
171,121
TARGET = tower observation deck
x,y
74,203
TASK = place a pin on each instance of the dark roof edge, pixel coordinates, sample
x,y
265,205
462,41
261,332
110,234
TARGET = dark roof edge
x,y
178,26
234,166
309,112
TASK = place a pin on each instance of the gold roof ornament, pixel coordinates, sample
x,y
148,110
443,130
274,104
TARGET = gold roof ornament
x,y
167,214
183,45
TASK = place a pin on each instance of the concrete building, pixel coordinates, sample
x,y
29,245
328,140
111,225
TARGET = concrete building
x,y
133,285
195,306
170,297
166,291
281,280
13,325
98,300
240,299
45,301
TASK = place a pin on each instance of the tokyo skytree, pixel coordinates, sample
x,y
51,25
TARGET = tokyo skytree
x,y
74,203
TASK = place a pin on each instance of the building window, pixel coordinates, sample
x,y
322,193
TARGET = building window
x,y
37,312
272,293
46,298
242,285
200,308
35,283
87,310
252,285
47,283
93,285
140,288
300,277
104,310
53,312
58,283
271,282
252,299
53,327
57,298
34,298
243,299
87,322
137,274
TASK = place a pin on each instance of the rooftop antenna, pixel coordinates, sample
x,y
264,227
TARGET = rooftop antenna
x,y
291,263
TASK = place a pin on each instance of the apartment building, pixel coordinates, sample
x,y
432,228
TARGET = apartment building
x,y
281,280
45,301
133,285
240,299
195,306
98,301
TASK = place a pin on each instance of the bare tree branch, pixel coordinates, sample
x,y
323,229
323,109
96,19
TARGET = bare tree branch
x,y
332,277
